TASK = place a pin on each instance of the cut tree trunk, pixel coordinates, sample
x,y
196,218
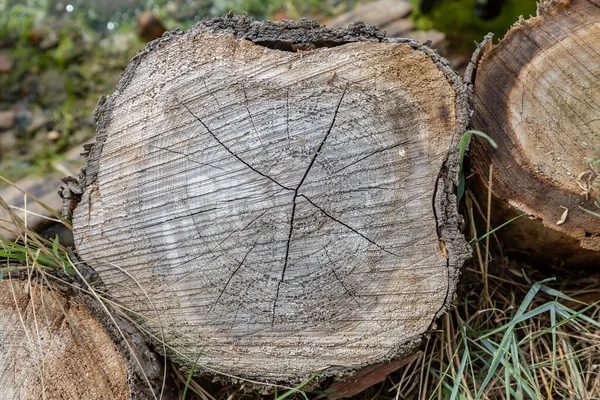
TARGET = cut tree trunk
x,y
537,94
51,348
55,347
277,198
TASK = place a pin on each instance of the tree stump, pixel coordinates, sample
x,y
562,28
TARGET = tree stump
x,y
277,198
536,93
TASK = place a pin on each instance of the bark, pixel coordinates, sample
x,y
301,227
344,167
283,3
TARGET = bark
x,y
277,198
536,93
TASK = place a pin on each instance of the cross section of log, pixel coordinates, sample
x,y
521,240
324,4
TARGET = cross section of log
x,y
537,94
277,198
53,348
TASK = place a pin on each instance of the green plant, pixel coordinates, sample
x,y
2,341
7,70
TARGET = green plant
x,y
484,363
24,249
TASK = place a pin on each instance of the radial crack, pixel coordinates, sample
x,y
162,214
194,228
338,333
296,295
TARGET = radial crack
x,y
187,156
367,156
233,274
287,254
349,227
331,263
252,119
337,108
229,150
312,161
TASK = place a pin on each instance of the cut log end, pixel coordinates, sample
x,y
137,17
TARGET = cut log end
x,y
273,212
536,95
53,348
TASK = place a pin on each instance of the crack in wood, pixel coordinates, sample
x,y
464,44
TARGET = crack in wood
x,y
285,262
294,199
187,207
229,150
367,156
351,294
337,108
244,228
350,228
210,92
252,119
233,274
289,240
187,156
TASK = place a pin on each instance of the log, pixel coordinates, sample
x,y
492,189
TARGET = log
x,y
536,94
277,198
54,345
52,348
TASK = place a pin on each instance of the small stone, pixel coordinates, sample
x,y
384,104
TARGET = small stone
x,y
53,135
8,119
6,63
149,26
39,120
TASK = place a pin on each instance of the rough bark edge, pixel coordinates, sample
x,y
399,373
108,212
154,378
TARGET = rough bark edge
x,y
297,36
471,71
445,206
143,361
287,36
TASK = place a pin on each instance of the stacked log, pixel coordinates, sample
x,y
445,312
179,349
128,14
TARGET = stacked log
x,y
267,201
536,94
282,192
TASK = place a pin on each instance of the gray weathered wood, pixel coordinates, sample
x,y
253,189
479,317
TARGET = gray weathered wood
x,y
277,212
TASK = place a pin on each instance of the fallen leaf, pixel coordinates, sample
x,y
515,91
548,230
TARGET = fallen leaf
x,y
564,216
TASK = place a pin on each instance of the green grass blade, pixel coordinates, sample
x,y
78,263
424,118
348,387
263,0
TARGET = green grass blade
x,y
590,212
298,389
503,348
476,240
556,293
55,247
190,375
554,349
